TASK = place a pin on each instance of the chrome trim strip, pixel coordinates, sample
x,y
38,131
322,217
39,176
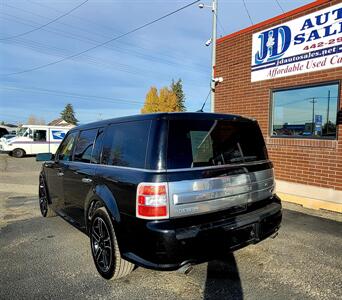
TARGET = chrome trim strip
x,y
200,196
191,197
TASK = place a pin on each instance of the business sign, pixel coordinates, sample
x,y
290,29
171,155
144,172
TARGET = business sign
x,y
307,44
318,123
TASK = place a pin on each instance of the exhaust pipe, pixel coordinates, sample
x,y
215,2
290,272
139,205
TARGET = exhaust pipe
x,y
186,269
274,235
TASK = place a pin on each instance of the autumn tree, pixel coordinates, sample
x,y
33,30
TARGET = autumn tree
x,y
32,120
167,100
177,88
151,101
68,115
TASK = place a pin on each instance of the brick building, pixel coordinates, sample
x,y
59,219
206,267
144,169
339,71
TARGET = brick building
x,y
286,72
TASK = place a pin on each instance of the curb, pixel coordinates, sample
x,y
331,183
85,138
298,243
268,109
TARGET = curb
x,y
311,203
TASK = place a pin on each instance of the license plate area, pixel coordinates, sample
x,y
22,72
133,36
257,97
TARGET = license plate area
x,y
242,235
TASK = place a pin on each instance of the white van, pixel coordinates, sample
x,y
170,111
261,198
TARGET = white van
x,y
33,139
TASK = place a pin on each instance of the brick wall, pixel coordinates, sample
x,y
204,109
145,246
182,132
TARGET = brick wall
x,y
307,161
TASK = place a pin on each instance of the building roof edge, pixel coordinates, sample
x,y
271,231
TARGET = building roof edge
x,y
274,19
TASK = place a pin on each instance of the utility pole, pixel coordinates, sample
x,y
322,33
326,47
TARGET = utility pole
x,y
328,112
313,101
212,41
213,54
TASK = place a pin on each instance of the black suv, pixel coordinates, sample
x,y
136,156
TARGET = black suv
x,y
162,191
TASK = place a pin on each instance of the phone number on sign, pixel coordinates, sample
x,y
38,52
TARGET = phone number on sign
x,y
322,44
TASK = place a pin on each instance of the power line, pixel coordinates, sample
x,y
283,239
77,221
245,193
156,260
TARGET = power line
x,y
106,42
75,95
70,35
98,32
119,49
280,6
220,24
100,62
46,24
247,11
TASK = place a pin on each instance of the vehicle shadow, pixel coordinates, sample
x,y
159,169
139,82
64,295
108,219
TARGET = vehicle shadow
x,y
223,280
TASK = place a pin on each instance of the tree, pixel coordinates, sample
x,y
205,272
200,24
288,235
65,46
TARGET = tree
x,y
68,115
177,88
151,101
32,120
168,101
164,101
2,123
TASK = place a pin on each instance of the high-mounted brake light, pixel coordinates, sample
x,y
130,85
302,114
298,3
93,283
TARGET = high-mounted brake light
x,y
152,202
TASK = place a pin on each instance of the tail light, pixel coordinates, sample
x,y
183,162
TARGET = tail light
x,y
152,201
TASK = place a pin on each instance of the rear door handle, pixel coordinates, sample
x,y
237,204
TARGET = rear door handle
x,y
87,180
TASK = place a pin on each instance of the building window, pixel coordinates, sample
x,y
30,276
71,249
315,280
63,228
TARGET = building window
x,y
307,112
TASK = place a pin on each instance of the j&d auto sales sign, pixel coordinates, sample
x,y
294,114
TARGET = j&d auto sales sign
x,y
306,44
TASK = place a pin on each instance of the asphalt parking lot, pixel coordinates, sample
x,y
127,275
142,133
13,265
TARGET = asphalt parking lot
x,y
48,258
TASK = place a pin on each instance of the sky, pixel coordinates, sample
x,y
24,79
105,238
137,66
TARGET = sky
x,y
112,80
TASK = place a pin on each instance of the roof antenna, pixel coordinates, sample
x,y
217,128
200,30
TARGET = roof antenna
x,y
206,99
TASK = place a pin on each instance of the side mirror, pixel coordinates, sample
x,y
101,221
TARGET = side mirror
x,y
44,156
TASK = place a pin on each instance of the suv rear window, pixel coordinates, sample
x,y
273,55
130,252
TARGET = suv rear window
x,y
201,143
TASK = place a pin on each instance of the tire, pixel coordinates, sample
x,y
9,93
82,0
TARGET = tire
x,y
18,153
45,208
105,249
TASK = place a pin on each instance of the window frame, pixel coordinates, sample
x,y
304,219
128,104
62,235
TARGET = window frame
x,y
92,148
107,128
104,127
297,87
46,135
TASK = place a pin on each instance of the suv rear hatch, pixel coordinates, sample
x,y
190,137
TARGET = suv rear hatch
x,y
215,165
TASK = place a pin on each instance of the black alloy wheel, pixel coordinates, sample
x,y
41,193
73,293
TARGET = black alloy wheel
x,y
45,210
101,244
105,247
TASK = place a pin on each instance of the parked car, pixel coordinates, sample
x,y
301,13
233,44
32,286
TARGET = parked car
x,y
3,131
6,137
162,191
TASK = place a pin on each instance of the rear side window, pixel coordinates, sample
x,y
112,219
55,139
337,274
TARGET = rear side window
x,y
201,143
84,146
125,144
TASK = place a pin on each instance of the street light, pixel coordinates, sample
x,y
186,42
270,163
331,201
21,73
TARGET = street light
x,y
212,42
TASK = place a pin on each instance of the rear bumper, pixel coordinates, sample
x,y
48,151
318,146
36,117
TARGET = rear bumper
x,y
166,245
